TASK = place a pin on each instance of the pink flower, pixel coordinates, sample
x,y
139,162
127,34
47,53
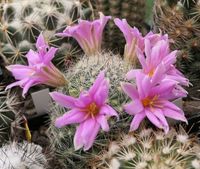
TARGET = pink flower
x,y
152,102
155,37
158,63
90,110
88,34
39,70
133,38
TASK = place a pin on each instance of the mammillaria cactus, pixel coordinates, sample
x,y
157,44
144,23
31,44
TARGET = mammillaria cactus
x,y
150,149
180,20
92,102
23,21
22,156
7,116
81,78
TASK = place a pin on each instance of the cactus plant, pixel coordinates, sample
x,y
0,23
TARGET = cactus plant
x,y
22,22
80,77
180,20
133,11
7,116
150,150
22,156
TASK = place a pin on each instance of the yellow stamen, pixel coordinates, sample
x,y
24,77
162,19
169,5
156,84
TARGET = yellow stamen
x,y
151,72
92,110
149,102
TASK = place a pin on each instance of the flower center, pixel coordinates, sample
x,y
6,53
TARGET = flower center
x,y
151,72
149,102
92,110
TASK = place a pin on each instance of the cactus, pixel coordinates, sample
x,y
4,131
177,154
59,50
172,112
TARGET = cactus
x,y
22,156
22,22
150,150
7,116
181,21
133,11
81,77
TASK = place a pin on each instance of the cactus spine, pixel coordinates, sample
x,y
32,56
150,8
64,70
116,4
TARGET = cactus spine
x,y
150,150
22,156
181,21
22,22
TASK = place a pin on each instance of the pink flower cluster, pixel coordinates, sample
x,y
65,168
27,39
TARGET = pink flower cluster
x,y
157,83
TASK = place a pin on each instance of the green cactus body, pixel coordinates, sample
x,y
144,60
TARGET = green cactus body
x,y
22,156
133,11
150,149
81,77
6,118
181,21
23,21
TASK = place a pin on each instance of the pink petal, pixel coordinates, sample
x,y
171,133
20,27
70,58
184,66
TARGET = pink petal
x,y
49,55
71,117
148,51
136,121
163,90
102,93
40,42
170,105
130,90
153,119
159,114
18,83
20,71
125,28
177,115
78,141
27,86
32,57
134,107
84,100
170,59
132,74
159,51
98,27
107,110
63,100
89,133
96,83
102,120
159,74
146,85
141,58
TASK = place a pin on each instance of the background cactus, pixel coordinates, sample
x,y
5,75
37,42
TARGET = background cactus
x,y
81,77
7,116
150,149
180,19
133,11
22,156
22,22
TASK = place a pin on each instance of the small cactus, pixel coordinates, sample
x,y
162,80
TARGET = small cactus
x,y
22,22
180,19
150,149
81,77
22,156
7,116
